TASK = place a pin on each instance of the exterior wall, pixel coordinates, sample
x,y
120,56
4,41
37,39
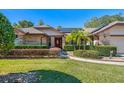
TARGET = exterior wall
x,y
44,40
104,38
117,30
35,39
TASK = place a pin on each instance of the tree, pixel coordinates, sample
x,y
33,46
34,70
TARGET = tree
x,y
83,35
40,22
103,20
7,35
58,27
72,37
76,37
15,25
25,24
48,25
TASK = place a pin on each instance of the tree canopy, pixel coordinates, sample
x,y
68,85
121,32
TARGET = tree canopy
x,y
23,24
103,20
40,22
58,27
7,35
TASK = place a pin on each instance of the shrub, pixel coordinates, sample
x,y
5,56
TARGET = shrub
x,y
31,47
86,53
33,52
105,50
29,52
54,51
71,47
87,47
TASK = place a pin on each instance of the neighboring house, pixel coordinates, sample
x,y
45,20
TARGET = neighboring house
x,y
39,35
111,34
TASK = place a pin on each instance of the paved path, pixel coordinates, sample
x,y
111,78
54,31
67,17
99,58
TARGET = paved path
x,y
96,61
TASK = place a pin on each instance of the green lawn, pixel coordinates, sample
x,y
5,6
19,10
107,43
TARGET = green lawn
x,y
64,70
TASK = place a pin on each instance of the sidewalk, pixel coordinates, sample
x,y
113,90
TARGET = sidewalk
x,y
96,61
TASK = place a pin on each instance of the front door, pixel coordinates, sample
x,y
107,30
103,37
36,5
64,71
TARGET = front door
x,y
58,42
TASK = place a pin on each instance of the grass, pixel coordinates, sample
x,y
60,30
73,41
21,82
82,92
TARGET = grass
x,y
64,70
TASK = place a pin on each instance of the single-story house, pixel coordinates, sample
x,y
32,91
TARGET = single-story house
x,y
39,35
111,34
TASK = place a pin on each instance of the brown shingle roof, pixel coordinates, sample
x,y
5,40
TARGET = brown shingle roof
x,y
30,30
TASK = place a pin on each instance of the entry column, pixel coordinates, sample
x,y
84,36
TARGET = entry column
x,y
52,41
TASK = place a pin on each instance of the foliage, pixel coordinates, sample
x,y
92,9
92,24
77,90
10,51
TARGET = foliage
x,y
77,36
40,22
72,37
58,27
71,47
103,20
105,50
31,47
86,53
83,35
7,35
23,24
15,25
29,53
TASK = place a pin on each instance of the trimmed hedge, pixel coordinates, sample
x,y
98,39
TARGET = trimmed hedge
x,y
86,53
71,47
105,50
54,52
31,47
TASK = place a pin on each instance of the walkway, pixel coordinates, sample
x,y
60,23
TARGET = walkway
x,y
96,61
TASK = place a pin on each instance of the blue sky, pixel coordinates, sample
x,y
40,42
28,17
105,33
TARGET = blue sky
x,y
55,17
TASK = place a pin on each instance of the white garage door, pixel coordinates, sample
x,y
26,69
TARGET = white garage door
x,y
119,43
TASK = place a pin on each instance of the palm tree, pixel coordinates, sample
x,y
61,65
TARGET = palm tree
x,y
76,36
83,35
72,37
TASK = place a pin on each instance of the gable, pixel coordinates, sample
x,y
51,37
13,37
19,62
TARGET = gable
x,y
18,32
117,30
113,28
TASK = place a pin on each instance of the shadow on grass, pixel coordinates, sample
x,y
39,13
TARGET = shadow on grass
x,y
39,76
